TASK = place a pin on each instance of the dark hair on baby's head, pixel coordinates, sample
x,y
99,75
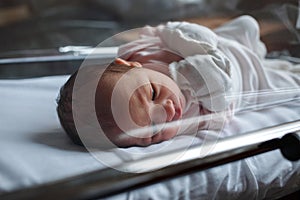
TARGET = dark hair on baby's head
x,y
64,110
65,99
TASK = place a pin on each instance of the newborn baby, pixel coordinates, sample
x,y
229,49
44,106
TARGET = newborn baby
x,y
179,71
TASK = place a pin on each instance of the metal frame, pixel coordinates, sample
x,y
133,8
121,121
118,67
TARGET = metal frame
x,y
109,182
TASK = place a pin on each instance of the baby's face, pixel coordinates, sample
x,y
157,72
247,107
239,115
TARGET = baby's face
x,y
154,99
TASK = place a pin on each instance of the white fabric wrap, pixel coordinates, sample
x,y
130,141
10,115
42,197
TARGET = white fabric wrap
x,y
204,69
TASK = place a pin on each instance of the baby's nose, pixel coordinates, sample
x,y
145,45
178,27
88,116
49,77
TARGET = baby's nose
x,y
170,109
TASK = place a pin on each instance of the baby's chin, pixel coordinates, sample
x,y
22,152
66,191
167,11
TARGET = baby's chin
x,y
130,141
164,135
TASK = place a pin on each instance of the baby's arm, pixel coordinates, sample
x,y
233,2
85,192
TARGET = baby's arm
x,y
150,51
157,60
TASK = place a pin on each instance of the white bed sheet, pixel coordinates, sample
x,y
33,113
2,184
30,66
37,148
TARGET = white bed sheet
x,y
34,150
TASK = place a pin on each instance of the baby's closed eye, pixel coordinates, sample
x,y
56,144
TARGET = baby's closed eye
x,y
153,95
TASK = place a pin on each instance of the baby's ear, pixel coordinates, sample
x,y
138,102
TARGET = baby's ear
x,y
120,61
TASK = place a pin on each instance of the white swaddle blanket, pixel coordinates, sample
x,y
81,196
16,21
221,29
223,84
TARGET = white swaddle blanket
x,y
226,62
205,70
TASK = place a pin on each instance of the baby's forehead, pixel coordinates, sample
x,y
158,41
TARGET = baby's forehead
x,y
134,76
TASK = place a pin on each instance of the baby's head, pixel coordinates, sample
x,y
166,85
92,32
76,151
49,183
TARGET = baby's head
x,y
128,97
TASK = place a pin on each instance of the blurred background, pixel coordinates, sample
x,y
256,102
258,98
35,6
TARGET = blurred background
x,y
34,28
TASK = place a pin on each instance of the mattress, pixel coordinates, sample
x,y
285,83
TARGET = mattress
x,y
34,150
